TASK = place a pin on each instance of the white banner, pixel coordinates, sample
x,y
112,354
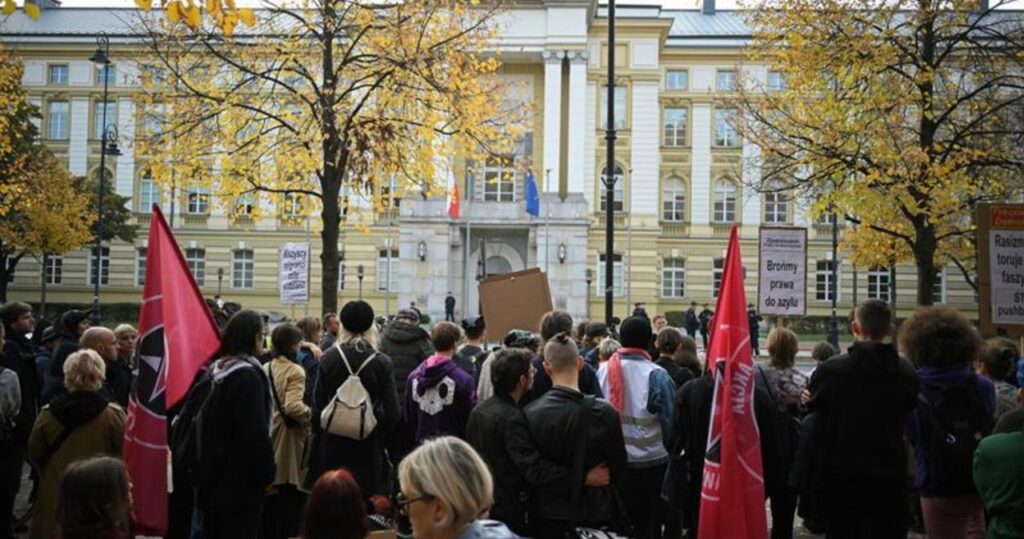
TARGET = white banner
x,y
293,276
1006,273
782,271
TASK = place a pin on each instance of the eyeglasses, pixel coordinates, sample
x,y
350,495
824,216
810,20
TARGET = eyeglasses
x,y
403,502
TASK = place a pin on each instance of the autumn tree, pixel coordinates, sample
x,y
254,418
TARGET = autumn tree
x,y
325,100
900,115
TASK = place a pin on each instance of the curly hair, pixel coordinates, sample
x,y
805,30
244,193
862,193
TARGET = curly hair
x,y
84,370
938,336
1000,358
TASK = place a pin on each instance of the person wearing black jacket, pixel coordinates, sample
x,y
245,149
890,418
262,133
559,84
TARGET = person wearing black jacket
x,y
19,356
407,344
862,400
551,324
558,425
118,382
667,343
69,328
366,459
238,458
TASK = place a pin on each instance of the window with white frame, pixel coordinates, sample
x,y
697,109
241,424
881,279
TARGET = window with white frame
x,y
198,200
824,287
245,205
342,266
140,266
776,204
673,201
291,206
106,74
500,182
53,270
59,118
825,218
387,270
149,194
196,260
717,271
673,278
775,82
725,202
879,280
104,266
620,107
939,287
677,79
387,199
725,80
675,127
111,117
618,283
242,266
58,74
725,132
618,191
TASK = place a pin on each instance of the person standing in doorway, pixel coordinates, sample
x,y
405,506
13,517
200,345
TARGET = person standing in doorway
x,y
449,308
692,323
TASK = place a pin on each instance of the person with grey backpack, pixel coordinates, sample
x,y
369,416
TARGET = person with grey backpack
x,y
355,404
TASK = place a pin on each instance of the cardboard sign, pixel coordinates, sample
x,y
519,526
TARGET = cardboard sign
x,y
293,275
782,271
514,300
1001,267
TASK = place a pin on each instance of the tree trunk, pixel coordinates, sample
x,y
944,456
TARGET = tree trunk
x,y
329,259
8,262
924,258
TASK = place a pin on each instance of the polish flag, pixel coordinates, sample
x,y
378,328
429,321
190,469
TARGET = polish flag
x,y
732,493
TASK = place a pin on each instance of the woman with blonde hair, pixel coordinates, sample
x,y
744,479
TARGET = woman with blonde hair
x,y
446,491
78,424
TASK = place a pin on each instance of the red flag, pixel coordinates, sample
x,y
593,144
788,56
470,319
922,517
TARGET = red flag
x,y
453,202
177,336
732,493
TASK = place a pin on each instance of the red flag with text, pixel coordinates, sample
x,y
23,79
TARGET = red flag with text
x,y
177,335
732,493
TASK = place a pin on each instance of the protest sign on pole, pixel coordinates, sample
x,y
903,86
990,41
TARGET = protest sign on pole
x,y
293,277
782,271
1001,267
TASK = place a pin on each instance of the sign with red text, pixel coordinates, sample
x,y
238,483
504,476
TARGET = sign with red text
x,y
1001,267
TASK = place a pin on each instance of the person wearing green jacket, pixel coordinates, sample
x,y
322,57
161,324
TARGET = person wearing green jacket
x,y
999,476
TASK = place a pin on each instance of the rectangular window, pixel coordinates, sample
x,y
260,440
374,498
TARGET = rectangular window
x,y
140,266
387,270
500,183
198,200
775,82
245,205
292,206
341,272
776,207
618,284
149,194
725,202
717,269
620,107
196,260
939,288
725,133
58,74
104,266
111,116
105,75
386,199
53,270
878,284
677,79
823,285
242,268
59,113
725,80
673,278
673,204
675,127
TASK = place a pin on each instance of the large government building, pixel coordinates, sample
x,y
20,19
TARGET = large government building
x,y
681,170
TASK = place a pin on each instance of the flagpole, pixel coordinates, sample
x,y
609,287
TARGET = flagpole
x,y
547,226
387,285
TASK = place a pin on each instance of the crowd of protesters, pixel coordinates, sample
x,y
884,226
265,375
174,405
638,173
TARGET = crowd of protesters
x,y
346,424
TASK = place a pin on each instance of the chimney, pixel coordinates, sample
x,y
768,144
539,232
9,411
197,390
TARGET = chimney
x,y
708,7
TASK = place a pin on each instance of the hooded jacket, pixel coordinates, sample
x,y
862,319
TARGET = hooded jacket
x,y
407,345
18,356
439,397
67,344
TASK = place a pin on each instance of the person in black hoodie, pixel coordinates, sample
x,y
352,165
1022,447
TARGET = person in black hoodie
x,y
862,400
238,458
552,324
18,356
69,328
407,344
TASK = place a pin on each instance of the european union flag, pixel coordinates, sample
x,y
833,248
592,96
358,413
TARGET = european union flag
x,y
532,196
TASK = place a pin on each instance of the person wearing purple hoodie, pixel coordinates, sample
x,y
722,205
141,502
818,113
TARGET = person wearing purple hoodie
x,y
439,394
955,411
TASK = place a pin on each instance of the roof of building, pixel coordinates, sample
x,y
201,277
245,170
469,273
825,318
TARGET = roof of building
x,y
74,21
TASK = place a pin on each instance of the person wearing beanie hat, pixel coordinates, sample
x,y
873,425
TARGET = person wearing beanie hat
x,y
407,344
70,327
355,352
644,395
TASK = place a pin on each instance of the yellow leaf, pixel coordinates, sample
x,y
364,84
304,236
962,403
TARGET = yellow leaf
x,y
247,16
8,7
144,5
193,17
32,10
230,4
213,6
174,11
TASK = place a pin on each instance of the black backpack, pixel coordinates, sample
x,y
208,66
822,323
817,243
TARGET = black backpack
x,y
955,423
187,450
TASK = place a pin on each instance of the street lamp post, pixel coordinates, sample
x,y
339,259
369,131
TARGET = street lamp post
x,y
108,146
360,273
589,277
220,280
609,176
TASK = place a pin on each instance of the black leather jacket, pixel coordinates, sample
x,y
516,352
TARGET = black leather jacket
x,y
553,420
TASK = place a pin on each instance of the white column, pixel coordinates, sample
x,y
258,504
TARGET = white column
x,y
700,172
590,147
38,103
552,114
78,145
645,149
577,120
125,179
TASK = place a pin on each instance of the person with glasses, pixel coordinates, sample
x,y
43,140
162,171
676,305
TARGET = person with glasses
x,y
446,492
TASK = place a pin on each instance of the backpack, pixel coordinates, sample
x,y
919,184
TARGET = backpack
x,y
956,422
8,423
471,363
350,412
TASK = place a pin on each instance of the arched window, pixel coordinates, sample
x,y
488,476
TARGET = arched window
x,y
619,190
673,201
725,202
